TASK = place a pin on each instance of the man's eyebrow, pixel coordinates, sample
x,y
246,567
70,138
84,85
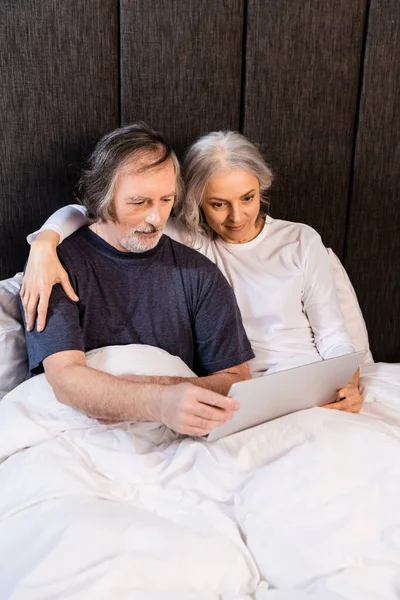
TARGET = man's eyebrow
x,y
133,198
223,199
169,195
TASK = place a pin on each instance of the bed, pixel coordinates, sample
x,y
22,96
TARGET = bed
x,y
303,506
306,506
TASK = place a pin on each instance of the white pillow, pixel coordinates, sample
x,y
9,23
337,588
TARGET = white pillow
x,y
13,355
352,315
137,359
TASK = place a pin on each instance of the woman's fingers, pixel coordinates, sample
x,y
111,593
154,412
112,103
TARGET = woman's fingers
x,y
24,296
30,310
43,270
340,405
67,287
25,301
37,304
349,404
343,393
42,309
36,291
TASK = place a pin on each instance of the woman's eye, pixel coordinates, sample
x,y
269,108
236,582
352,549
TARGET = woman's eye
x,y
166,200
248,198
217,205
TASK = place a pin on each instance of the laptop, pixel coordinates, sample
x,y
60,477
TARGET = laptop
x,y
277,394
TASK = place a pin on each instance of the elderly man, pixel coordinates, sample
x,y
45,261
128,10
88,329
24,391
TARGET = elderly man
x,y
136,285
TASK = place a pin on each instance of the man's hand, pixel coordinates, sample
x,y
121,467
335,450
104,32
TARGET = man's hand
x,y
349,397
191,410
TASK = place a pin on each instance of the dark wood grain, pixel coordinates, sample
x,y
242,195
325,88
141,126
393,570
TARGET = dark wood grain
x,y
71,71
58,94
372,255
181,65
302,79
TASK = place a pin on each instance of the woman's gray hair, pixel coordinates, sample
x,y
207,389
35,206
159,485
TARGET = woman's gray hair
x,y
212,154
111,154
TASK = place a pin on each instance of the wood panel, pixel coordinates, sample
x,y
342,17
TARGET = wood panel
x,y
58,94
302,79
181,65
372,255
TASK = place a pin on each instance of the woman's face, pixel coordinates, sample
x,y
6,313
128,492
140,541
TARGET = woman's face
x,y
232,204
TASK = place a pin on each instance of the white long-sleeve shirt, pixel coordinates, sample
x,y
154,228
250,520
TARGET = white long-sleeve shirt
x,y
283,284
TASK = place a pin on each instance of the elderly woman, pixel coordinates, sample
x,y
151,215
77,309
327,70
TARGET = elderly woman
x,y
279,270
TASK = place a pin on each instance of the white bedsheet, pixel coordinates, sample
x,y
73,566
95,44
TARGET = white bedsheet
x,y
307,506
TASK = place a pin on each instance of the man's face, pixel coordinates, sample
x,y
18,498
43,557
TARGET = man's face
x,y
142,204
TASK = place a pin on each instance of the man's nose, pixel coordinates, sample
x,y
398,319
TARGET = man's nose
x,y
153,216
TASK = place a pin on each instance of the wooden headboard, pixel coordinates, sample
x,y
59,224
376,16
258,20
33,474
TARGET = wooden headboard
x,y
315,84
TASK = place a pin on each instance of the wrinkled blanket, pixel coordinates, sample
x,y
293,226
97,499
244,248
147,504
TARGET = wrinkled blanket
x,y
306,506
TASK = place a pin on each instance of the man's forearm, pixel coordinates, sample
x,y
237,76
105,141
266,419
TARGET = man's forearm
x,y
106,397
218,382
183,407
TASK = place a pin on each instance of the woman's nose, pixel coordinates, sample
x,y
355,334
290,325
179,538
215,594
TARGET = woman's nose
x,y
235,215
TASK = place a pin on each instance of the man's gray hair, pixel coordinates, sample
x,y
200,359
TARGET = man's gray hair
x,y
212,154
136,142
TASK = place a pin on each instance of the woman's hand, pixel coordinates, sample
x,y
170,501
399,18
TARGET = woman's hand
x,y
42,272
349,397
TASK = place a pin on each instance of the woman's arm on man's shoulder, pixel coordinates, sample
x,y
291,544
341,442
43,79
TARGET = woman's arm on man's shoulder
x,y
63,222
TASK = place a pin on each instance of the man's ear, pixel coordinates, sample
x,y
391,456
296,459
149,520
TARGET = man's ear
x,y
110,213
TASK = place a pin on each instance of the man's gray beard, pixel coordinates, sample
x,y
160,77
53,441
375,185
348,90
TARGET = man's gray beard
x,y
135,243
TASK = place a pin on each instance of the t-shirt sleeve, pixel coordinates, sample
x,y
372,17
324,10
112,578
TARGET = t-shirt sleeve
x,y
220,339
62,332
321,303
64,221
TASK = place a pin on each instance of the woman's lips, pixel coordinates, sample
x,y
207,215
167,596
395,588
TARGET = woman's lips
x,y
234,228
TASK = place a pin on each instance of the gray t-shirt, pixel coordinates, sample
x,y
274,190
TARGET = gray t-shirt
x,y
170,297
